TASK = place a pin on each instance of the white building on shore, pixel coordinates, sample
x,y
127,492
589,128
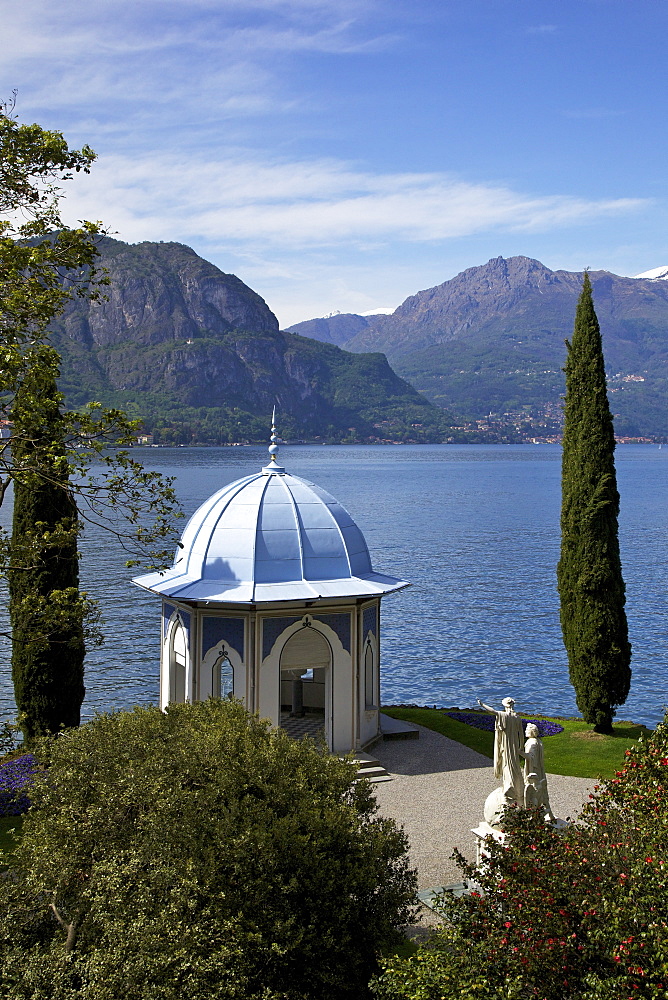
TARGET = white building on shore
x,y
273,599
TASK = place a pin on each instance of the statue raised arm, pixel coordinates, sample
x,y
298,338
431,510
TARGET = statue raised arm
x,y
508,744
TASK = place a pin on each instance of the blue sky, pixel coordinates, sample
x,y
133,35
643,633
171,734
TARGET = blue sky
x,y
342,155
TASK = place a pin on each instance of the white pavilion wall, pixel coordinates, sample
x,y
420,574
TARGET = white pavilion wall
x,y
175,617
253,644
208,637
369,707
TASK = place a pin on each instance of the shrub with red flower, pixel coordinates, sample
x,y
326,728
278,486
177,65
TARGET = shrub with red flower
x,y
561,916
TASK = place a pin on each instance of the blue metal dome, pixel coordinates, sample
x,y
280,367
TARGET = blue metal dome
x,y
270,537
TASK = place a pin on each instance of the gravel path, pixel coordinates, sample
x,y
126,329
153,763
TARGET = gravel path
x,y
437,794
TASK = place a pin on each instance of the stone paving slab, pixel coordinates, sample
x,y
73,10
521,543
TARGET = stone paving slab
x,y
437,795
397,728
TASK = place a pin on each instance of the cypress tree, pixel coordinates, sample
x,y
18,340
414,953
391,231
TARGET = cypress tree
x,y
47,611
589,573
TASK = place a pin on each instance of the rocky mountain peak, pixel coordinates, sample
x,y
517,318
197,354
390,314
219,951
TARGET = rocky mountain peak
x,y
198,356
491,339
165,292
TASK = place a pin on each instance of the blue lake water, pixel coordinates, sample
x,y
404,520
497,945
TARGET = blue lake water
x,y
476,531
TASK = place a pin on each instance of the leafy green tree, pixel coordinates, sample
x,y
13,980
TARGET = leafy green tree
x,y
589,573
56,460
197,853
574,916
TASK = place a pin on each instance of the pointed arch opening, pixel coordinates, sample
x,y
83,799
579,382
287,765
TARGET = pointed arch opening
x,y
178,661
369,676
222,676
306,684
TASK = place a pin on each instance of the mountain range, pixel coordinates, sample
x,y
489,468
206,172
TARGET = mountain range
x,y
199,357
491,341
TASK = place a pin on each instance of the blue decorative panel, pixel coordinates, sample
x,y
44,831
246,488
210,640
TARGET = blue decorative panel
x,y
339,624
370,621
185,617
229,630
272,628
167,612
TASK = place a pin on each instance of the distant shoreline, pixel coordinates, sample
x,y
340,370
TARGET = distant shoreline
x,y
654,442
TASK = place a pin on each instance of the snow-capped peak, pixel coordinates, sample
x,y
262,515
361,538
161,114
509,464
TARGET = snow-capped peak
x,y
388,310
656,272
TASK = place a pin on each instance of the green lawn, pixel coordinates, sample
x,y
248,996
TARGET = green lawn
x,y
577,751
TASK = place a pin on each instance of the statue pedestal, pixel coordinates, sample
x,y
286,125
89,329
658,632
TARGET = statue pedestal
x,y
480,833
484,830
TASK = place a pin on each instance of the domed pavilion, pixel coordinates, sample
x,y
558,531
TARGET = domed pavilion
x,y
272,598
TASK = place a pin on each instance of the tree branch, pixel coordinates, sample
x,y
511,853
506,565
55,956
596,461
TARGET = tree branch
x,y
71,929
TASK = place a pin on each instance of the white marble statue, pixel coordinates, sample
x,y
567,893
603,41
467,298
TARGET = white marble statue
x,y
508,745
535,790
523,783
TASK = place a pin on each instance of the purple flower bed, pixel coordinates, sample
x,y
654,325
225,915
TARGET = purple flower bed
x,y
15,777
487,721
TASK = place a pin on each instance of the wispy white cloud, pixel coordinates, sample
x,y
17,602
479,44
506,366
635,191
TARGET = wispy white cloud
x,y
215,120
321,203
541,29
339,38
95,54
313,236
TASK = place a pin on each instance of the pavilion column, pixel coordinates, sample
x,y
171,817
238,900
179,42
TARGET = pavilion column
x,y
297,699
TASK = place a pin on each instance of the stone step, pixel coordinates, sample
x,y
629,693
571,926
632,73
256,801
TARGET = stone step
x,y
374,773
370,768
375,779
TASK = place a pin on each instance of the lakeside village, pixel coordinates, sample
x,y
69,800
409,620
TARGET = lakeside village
x,y
491,430
506,428
480,432
530,425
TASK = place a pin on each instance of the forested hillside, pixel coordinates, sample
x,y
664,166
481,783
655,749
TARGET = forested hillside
x,y
199,357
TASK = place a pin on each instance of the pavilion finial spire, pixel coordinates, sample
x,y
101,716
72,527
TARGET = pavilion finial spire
x,y
273,447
